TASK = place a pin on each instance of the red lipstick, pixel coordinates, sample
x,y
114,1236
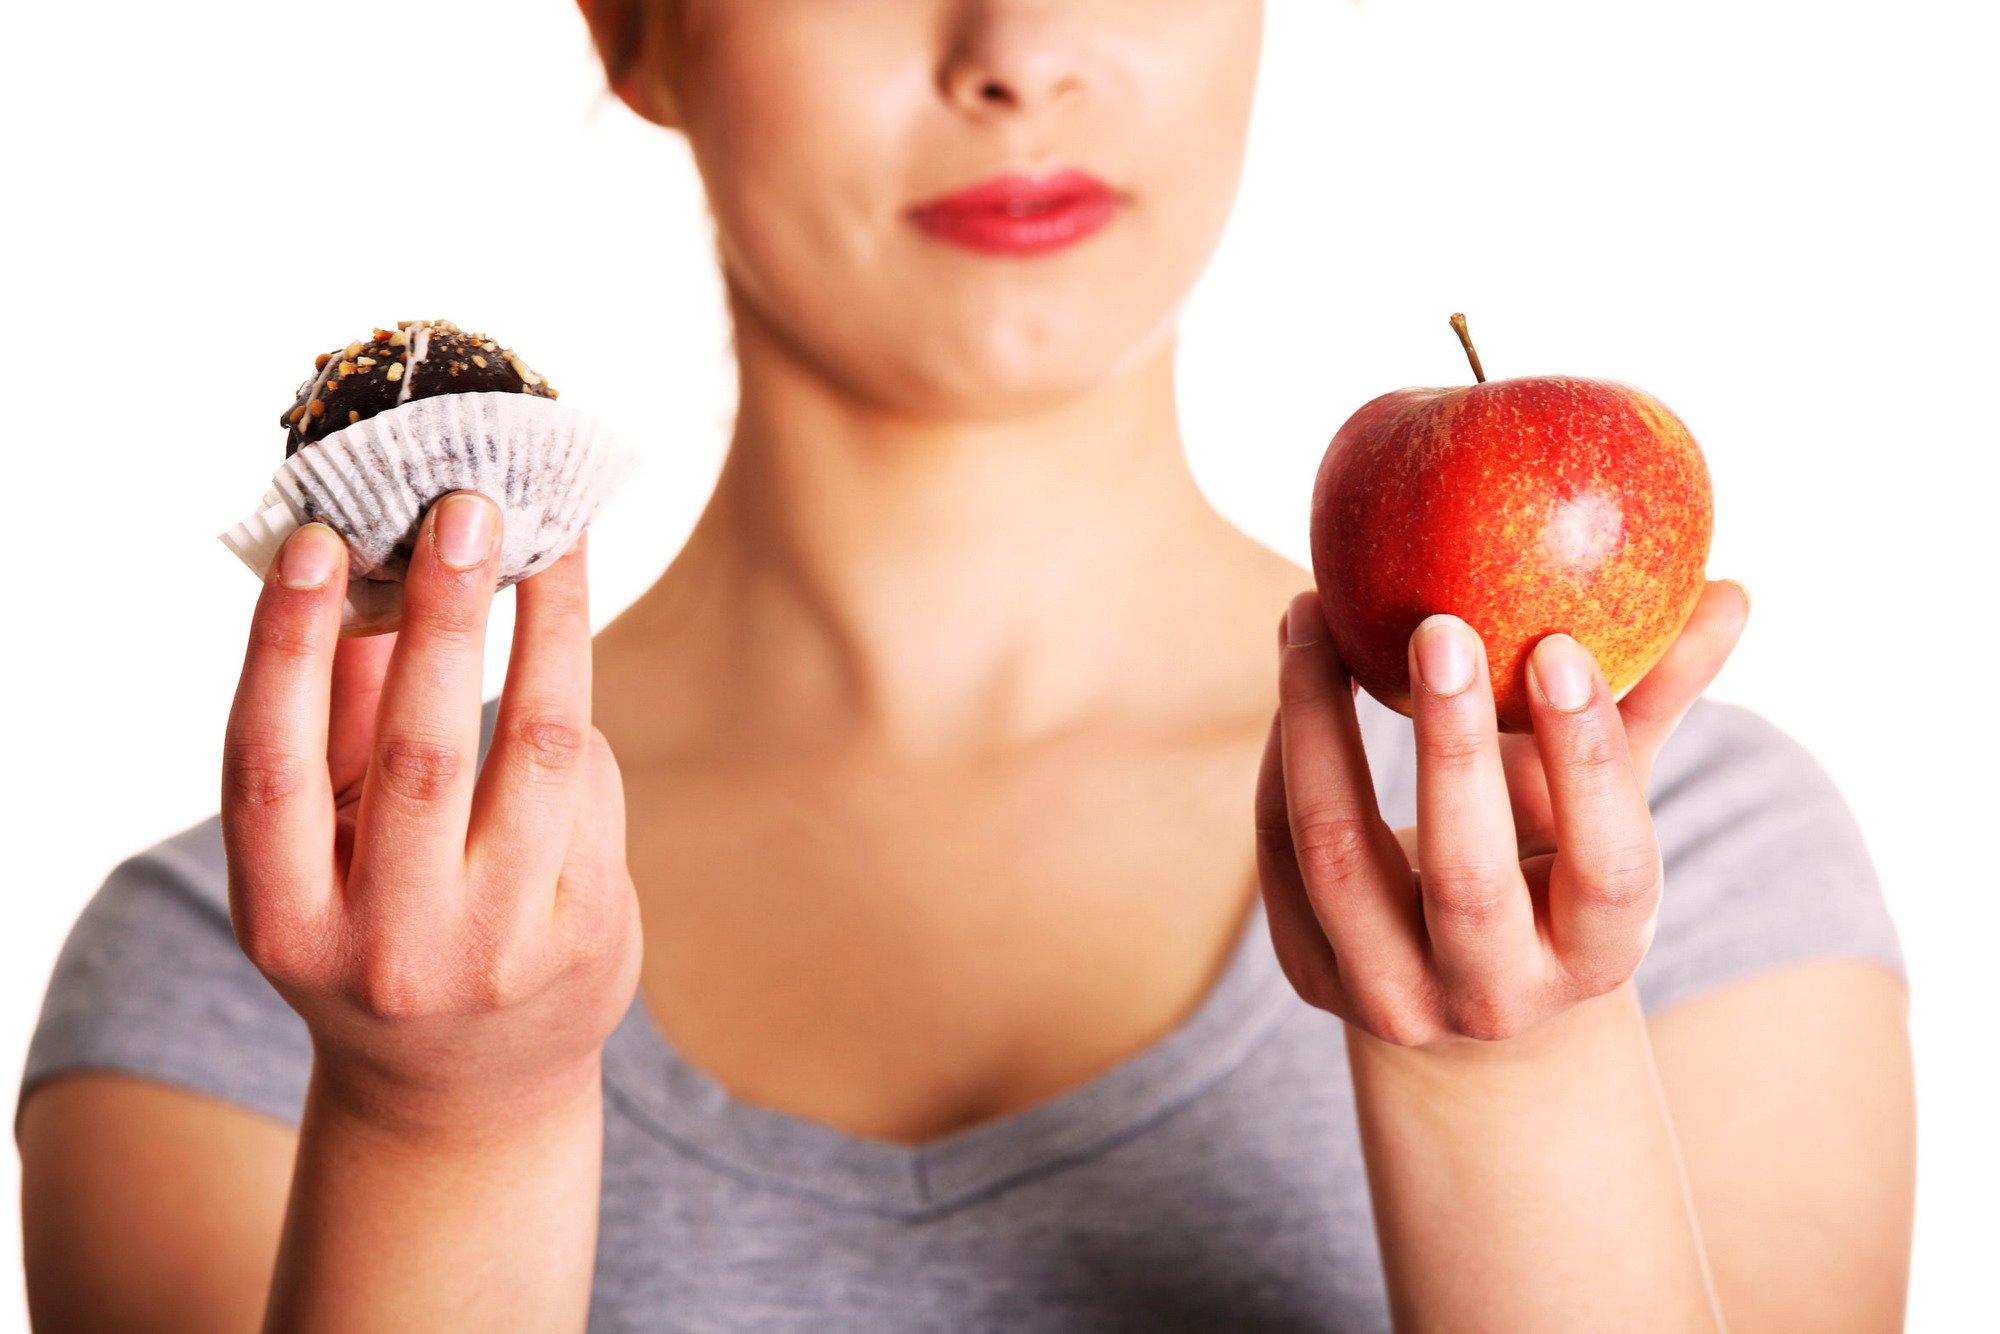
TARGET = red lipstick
x,y
1020,215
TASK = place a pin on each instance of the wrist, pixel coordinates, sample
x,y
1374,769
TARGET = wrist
x,y
1579,1034
467,1112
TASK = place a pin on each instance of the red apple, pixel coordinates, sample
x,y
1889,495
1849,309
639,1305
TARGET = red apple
x,y
1525,507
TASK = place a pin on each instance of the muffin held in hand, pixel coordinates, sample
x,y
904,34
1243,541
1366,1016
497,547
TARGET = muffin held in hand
x,y
420,359
383,427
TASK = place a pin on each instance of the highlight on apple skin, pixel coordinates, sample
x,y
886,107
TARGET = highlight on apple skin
x,y
1526,507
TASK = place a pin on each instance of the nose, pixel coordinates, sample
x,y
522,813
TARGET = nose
x,y
1011,55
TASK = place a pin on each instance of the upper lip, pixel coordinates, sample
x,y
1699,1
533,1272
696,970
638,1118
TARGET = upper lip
x,y
1017,190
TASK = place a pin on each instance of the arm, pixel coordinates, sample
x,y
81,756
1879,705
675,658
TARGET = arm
x,y
1533,1183
1794,1102
481,1217
113,1169
146,1207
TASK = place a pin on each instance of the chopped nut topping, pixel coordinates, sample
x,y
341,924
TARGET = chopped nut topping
x,y
317,409
353,351
365,363
347,368
297,413
399,339
521,369
396,371
319,362
479,361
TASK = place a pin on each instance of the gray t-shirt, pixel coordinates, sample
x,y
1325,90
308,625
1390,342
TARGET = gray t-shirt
x,y
1212,1181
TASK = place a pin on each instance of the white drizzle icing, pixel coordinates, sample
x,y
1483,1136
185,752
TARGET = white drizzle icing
x,y
304,423
418,349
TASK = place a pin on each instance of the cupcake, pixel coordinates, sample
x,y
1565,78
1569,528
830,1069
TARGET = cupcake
x,y
385,426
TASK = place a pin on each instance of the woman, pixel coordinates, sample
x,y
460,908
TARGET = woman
x,y
914,964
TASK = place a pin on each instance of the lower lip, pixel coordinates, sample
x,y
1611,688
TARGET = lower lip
x,y
995,231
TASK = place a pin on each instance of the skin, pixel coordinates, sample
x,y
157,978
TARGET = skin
x,y
958,597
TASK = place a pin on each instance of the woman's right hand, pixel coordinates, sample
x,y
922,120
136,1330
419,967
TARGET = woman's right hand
x,y
456,947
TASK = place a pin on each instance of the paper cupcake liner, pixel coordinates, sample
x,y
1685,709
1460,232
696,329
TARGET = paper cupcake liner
x,y
549,467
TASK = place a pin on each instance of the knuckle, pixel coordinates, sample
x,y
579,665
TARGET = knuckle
x,y
291,640
1484,1017
548,744
1595,755
392,985
501,965
1394,1023
1603,971
1622,879
285,949
1332,845
416,768
1307,975
591,908
1450,751
257,773
1468,896
451,611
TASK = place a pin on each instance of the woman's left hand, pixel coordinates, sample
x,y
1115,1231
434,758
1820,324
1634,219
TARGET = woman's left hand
x,y
1531,880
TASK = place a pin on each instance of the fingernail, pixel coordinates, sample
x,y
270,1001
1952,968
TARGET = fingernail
x,y
464,531
1446,654
1744,591
308,557
1303,622
1562,670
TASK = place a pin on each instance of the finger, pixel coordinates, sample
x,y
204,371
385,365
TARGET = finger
x,y
277,804
1604,886
1355,874
359,667
533,780
595,892
1296,935
1653,708
1481,920
417,797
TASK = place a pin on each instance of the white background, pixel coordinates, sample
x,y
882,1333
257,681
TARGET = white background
x,y
1771,215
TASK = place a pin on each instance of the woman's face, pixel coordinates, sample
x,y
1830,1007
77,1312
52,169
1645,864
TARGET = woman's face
x,y
817,124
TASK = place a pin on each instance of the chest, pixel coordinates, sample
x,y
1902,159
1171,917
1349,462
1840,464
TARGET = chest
x,y
902,954
1220,1187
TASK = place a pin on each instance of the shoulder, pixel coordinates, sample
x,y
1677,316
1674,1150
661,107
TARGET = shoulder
x,y
150,982
1765,862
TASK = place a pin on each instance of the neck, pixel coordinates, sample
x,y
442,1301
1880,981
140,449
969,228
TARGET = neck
x,y
930,583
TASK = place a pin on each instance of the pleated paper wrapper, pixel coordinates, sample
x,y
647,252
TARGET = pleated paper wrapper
x,y
548,466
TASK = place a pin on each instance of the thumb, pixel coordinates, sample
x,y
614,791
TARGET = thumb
x,y
1653,708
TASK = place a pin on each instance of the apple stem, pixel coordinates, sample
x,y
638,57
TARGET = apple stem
x,y
1471,353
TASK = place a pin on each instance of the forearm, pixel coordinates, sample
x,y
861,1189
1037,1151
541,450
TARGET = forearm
x,y
1532,1183
482,1219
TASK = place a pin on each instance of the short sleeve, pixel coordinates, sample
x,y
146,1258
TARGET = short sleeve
x,y
1765,864
151,982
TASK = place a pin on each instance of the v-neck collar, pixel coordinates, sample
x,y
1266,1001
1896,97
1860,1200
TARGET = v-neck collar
x,y
649,1081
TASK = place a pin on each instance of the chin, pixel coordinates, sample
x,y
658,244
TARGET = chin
x,y
1009,366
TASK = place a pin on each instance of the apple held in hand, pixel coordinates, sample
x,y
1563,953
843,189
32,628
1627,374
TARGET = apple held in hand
x,y
1525,507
